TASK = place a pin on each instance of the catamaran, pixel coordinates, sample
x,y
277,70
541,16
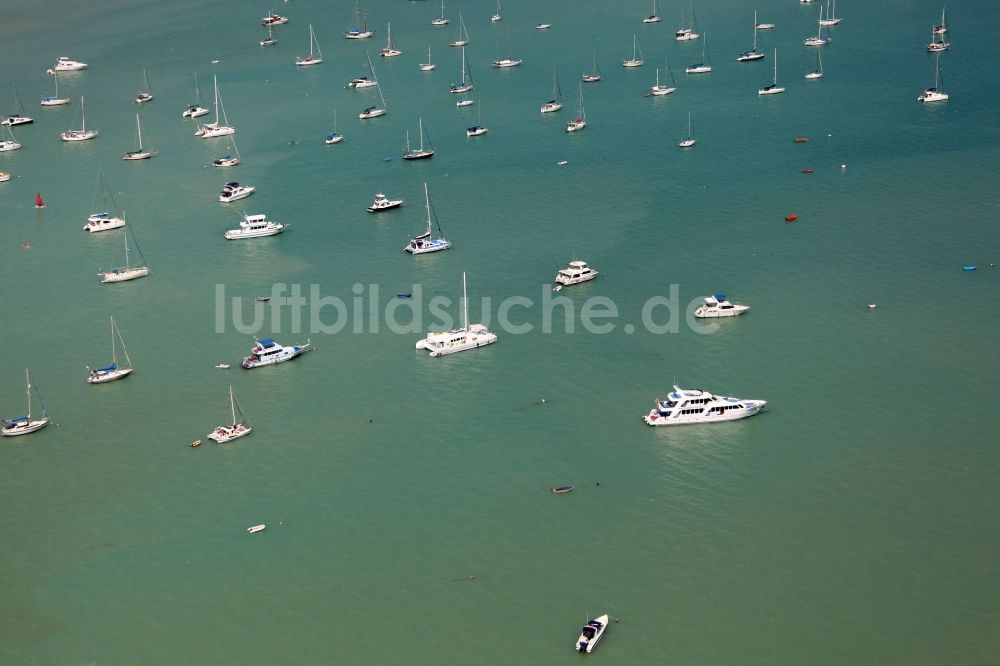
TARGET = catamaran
x,y
458,339
139,153
113,371
463,35
17,116
427,66
54,99
359,27
426,242
236,429
442,20
420,153
128,271
8,144
636,59
690,140
195,109
466,83
753,53
146,94
934,93
684,406
269,352
774,88
22,425
81,134
334,137
654,17
580,121
705,65
593,76
657,90
555,103
215,128
374,111
363,81
103,220
315,56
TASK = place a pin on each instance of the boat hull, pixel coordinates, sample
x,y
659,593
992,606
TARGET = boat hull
x,y
25,427
288,354
124,274
95,225
654,418
224,434
110,376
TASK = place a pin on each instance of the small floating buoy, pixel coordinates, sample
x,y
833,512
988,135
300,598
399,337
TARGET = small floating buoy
x,y
872,306
196,442
801,139
807,171
791,218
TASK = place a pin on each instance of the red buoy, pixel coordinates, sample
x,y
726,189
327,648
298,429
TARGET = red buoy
x,y
791,218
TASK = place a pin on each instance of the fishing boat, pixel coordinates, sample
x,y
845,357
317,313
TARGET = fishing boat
x,y
717,305
9,143
592,633
496,17
270,39
819,39
463,35
315,56
114,371
374,111
273,19
235,430
657,90
753,53
195,109
636,59
831,15
684,406
938,42
391,50
580,121
64,64
466,84
458,339
103,220
82,134
556,102
334,137
383,203
575,272
477,129
705,65
216,128
139,153
594,75
502,63
774,88
427,66
426,242
146,94
686,32
17,116
818,72
359,26
690,140
54,99
233,191
654,17
22,425
268,352
934,93
128,271
420,153
441,20
255,226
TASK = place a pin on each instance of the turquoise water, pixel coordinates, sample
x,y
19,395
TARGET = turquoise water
x,y
854,522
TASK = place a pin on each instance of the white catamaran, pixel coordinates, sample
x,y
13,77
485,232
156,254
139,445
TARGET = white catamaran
x,y
113,371
103,220
458,339
236,429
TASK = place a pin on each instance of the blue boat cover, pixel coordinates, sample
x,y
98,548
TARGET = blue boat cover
x,y
267,342
113,366
720,297
10,423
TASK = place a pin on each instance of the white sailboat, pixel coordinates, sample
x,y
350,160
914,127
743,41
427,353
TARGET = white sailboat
x,y
442,20
8,144
477,129
315,56
942,27
195,109
458,339
496,17
580,121
374,111
818,72
466,84
934,93
427,66
17,116
938,42
654,17
463,35
114,371
774,88
215,128
689,141
819,39
81,134
54,99
594,75
831,15
236,429
128,271
705,65
390,50
359,27
363,81
146,94
231,158
104,219
556,102
270,40
426,242
139,153
334,137
658,90
636,59
502,63
22,425
687,33
420,153
753,53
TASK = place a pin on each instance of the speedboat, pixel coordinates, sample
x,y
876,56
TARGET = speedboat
x,y
543,26
269,352
256,528
382,202
765,26
255,226
592,633
718,305
64,64
361,82
273,19
575,273
102,221
233,191
458,339
684,406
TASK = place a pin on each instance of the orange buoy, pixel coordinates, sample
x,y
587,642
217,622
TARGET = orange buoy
x,y
791,218
800,139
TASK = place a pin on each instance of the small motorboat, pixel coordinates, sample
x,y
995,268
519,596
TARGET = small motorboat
x,y
543,26
263,299
222,366
256,528
592,632
791,218
968,268
807,171
872,306
196,443
559,490
404,295
800,139
383,202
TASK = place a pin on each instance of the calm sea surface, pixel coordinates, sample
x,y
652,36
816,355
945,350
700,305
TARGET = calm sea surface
x,y
407,498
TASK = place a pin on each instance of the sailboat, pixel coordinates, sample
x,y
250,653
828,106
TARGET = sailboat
x,y
231,158
17,116
363,81
195,109
420,153
593,76
654,17
359,27
426,242
237,429
831,15
270,40
687,34
508,61
555,103
8,144
938,42
113,371
580,121
333,137
819,39
103,220
315,56
54,99
22,425
689,141
146,94
658,90
442,20
942,27
753,53
458,339
374,111
496,17
214,129
81,134
774,88
477,129
139,153
705,65
390,50
38,199
934,93
128,271
427,66
463,35
636,59
466,84
818,72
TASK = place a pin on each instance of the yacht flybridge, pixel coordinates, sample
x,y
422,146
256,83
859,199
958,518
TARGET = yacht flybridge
x,y
718,305
458,339
683,406
269,352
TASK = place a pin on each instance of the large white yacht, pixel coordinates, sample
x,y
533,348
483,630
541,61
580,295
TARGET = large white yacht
x,y
575,273
255,226
458,339
234,191
103,221
718,305
383,202
269,352
64,64
684,406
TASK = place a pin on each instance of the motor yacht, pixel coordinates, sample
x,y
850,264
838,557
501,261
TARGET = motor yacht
x,y
269,352
233,191
718,305
255,226
383,202
684,406
64,64
575,272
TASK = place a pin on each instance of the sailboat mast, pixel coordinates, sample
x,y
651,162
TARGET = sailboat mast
x,y
232,404
83,116
427,202
421,124
27,381
215,81
114,356
138,128
465,306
